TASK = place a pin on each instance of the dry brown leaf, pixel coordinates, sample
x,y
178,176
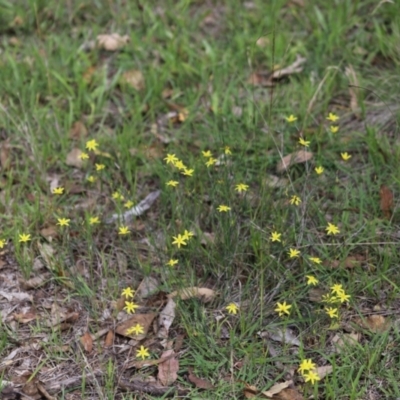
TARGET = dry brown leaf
x,y
168,370
289,394
349,262
145,320
87,342
277,388
273,181
386,196
112,41
147,287
36,281
109,340
375,323
345,339
324,370
198,382
250,391
167,316
133,78
49,233
73,158
300,156
204,294
78,131
25,318
5,159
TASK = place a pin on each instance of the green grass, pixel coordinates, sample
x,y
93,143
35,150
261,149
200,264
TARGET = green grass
x,y
204,55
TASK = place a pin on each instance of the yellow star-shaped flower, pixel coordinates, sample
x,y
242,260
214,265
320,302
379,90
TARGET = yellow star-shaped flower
x,y
24,237
187,234
128,204
58,190
275,237
142,353
319,170
343,297
207,154
171,159
332,312
179,240
83,155
99,167
283,308
172,183
334,128
315,260
332,229
128,293
211,161
306,365
188,172
332,117
303,142
241,187
91,145
91,179
130,307
117,196
135,330
291,118
94,220
295,200
123,230
180,165
223,208
172,262
311,280
63,221
2,243
294,253
337,288
312,377
345,156
232,308
227,150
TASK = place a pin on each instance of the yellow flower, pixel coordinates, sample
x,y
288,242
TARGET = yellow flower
x,y
2,243
188,172
24,237
315,260
83,156
130,307
143,353
343,297
91,179
117,196
91,145
332,117
306,365
337,288
275,237
172,183
311,280
123,230
99,167
334,128
332,229
128,293
187,234
295,200
332,312
303,142
171,159
319,170
241,187
94,220
283,308
311,376
58,190
63,221
223,208
345,156
180,165
172,262
232,308
294,253
227,150
211,161
135,330
291,118
179,241
128,204
207,154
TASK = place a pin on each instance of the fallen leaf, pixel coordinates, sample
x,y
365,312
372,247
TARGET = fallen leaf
x,y
87,342
278,387
273,181
73,158
204,294
78,131
349,262
109,340
133,78
198,382
167,316
168,370
375,323
145,320
300,156
346,339
353,89
49,233
5,159
36,281
284,335
112,42
386,196
324,370
288,394
250,391
16,296
147,287
25,318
